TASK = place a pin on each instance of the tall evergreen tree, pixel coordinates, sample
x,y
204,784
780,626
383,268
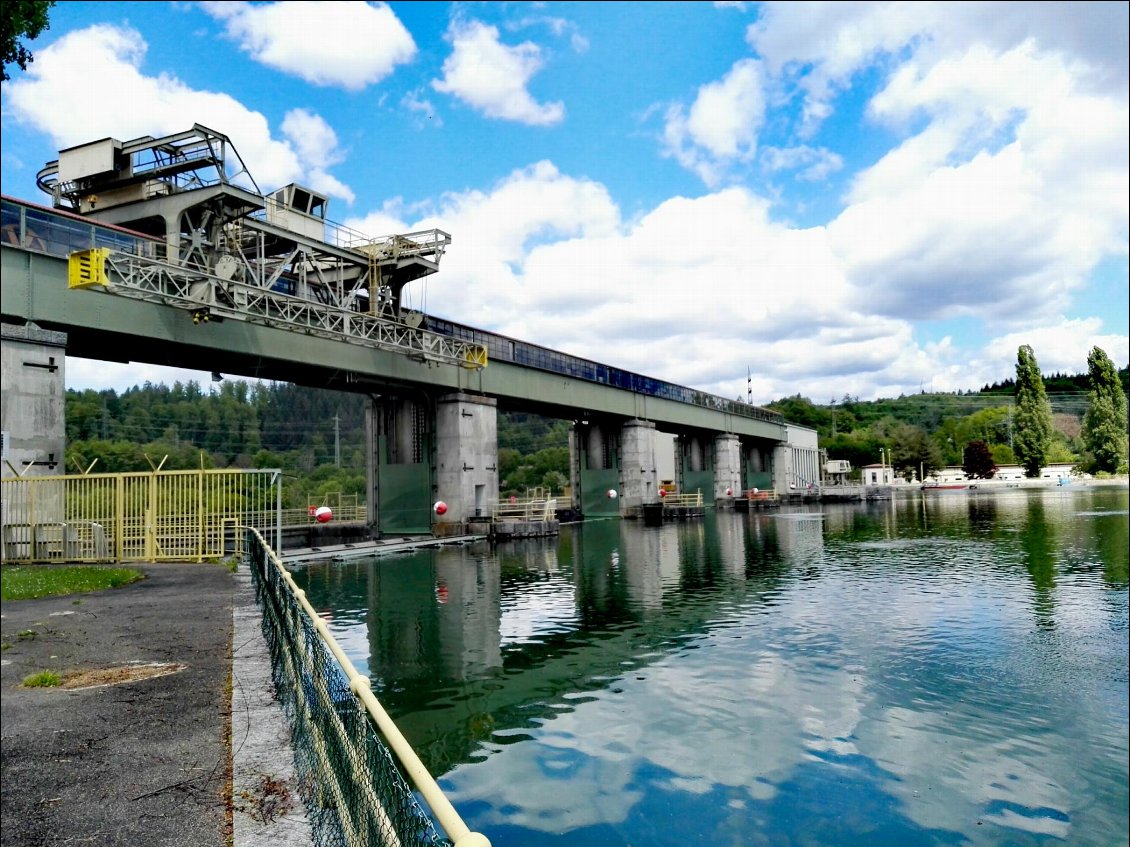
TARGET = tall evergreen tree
x,y
1104,425
1033,421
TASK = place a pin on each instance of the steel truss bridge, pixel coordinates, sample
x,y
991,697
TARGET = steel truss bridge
x,y
179,222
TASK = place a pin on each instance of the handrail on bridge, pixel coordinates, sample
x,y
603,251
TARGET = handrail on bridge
x,y
449,819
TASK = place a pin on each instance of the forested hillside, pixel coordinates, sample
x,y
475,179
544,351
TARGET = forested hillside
x,y
317,436
931,430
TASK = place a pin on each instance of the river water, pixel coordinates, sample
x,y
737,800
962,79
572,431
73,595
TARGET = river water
x,y
944,669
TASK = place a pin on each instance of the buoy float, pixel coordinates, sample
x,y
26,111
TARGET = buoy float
x,y
323,514
755,491
662,492
729,492
612,494
440,507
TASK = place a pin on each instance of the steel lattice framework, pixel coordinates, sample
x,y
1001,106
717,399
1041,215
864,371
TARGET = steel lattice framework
x,y
212,298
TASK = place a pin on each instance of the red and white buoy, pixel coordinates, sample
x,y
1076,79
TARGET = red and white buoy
x,y
323,514
612,495
662,492
440,508
729,492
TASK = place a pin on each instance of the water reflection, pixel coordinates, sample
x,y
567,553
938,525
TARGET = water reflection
x,y
945,669
1038,540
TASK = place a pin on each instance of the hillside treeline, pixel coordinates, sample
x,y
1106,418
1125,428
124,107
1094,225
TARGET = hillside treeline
x,y
317,436
928,431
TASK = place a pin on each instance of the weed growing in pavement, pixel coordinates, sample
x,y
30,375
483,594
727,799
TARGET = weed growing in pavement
x,y
43,679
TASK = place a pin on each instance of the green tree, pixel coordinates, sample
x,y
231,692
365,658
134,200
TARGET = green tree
x,y
914,453
978,461
1104,424
1003,455
21,19
1033,421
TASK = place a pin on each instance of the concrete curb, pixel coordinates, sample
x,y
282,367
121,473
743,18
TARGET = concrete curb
x,y
267,810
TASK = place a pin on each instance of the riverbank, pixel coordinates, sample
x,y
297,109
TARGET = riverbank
x,y
1004,485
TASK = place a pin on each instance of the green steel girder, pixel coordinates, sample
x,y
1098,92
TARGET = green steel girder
x,y
33,287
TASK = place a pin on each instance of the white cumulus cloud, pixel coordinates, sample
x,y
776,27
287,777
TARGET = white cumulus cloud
x,y
492,77
339,43
721,126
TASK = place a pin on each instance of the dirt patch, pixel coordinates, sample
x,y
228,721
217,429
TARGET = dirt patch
x,y
95,677
270,800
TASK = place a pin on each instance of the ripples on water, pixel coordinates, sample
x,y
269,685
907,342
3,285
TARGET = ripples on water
x,y
942,670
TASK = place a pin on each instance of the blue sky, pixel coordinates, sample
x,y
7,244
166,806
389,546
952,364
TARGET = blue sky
x,y
860,198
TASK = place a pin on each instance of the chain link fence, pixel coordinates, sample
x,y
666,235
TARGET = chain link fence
x,y
355,792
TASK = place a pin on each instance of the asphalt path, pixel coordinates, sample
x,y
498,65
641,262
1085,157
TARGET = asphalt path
x,y
133,763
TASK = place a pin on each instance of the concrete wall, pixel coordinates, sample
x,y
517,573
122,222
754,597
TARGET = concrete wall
x,y
466,456
34,400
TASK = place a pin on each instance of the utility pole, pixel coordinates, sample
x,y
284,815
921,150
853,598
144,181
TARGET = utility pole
x,y
337,441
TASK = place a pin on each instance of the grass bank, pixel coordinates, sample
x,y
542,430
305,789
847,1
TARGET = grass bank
x,y
28,583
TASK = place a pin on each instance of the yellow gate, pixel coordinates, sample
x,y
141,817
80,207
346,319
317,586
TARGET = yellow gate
x,y
157,516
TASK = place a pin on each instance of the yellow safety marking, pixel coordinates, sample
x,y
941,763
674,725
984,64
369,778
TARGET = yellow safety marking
x,y
87,267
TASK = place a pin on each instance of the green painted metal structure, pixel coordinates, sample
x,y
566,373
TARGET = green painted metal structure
x,y
33,287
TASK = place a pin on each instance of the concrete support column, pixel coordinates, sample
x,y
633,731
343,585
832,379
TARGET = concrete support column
x,y
639,482
575,450
466,459
727,469
34,401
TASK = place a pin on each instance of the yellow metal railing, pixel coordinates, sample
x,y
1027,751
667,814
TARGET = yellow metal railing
x,y
156,516
683,501
455,829
526,509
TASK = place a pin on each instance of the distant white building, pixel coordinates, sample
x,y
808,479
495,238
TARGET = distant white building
x,y
878,475
954,473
